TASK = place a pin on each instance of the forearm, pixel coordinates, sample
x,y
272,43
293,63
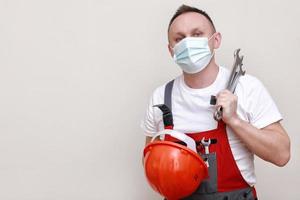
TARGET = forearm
x,y
147,141
271,143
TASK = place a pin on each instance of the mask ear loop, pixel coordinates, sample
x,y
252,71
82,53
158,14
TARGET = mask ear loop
x,y
213,53
212,36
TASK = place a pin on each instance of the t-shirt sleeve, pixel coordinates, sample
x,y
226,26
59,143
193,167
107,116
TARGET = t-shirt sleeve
x,y
150,123
262,110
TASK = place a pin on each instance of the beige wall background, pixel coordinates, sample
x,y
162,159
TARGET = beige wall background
x,y
76,75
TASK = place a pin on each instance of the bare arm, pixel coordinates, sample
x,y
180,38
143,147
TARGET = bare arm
x,y
270,143
147,141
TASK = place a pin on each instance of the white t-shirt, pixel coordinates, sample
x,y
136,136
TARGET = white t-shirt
x,y
192,112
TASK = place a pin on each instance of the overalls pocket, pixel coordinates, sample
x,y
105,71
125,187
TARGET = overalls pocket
x,y
209,185
246,194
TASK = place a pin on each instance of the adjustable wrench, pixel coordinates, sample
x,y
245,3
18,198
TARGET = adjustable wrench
x,y
236,72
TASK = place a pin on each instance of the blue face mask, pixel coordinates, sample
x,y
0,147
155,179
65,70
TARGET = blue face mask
x,y
192,54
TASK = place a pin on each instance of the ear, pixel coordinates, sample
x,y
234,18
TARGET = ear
x,y
170,50
217,40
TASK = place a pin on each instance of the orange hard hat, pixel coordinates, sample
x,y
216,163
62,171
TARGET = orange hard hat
x,y
174,170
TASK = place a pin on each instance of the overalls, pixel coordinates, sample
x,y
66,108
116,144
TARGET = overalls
x,y
225,181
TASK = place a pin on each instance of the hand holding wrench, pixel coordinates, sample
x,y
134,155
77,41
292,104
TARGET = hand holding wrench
x,y
236,72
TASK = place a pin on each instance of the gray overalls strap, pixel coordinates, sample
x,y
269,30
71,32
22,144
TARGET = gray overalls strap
x,y
168,94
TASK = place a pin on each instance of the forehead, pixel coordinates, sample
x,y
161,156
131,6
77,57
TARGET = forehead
x,y
189,21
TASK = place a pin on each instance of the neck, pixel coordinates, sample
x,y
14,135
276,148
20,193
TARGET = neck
x,y
203,78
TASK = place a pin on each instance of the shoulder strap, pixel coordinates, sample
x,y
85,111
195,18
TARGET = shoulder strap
x,y
168,94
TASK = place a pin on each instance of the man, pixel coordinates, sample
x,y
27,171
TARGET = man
x,y
250,121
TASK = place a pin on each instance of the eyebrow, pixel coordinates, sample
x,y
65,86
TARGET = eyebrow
x,y
196,29
193,30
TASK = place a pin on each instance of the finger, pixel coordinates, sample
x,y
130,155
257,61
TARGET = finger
x,y
221,102
225,91
220,93
226,101
223,94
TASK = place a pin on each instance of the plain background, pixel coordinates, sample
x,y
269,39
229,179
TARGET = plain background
x,y
76,76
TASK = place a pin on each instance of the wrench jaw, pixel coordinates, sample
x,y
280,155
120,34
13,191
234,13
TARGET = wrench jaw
x,y
237,66
236,52
236,62
237,57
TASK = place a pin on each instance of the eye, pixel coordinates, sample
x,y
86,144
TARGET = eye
x,y
196,34
178,39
